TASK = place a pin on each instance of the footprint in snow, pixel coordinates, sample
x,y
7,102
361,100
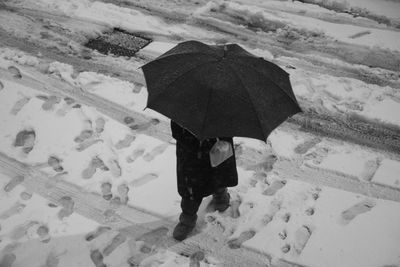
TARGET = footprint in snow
x,y
15,72
243,237
215,222
95,163
129,120
142,247
100,123
25,195
114,167
310,211
53,259
357,209
283,234
115,242
42,97
196,258
55,179
137,88
304,147
144,126
13,210
266,165
286,248
135,155
286,217
235,208
267,218
370,168
258,176
67,205
274,187
115,202
301,237
148,177
52,205
123,190
87,143
84,135
8,260
55,163
106,191
69,100
126,142
315,193
19,105
110,215
98,232
50,102
21,230
26,140
155,152
66,107
154,237
97,258
13,183
43,233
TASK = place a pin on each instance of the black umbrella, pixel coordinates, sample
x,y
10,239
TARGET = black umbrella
x,y
219,90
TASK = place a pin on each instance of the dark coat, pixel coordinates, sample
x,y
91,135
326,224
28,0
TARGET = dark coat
x,y
196,178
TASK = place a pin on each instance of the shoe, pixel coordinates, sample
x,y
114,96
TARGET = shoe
x,y
220,200
184,227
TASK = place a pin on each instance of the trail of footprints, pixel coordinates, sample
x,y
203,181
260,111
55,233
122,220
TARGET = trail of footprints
x,y
25,139
300,237
89,136
141,248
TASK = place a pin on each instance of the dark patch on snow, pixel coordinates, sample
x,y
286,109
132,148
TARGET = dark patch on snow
x,y
118,42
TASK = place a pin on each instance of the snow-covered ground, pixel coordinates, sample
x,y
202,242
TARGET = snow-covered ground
x,y
124,164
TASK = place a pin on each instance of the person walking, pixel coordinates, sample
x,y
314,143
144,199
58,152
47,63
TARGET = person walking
x,y
215,93
197,178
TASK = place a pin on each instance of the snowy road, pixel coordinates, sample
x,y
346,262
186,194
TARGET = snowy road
x,y
331,171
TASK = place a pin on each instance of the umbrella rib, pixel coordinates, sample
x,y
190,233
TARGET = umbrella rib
x,y
252,104
294,100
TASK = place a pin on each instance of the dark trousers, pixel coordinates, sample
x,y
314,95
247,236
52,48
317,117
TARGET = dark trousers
x,y
190,206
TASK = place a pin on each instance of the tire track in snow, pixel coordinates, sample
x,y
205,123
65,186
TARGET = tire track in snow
x,y
232,32
132,222
345,7
217,21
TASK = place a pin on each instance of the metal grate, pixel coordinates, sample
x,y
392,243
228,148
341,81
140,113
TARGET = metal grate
x,y
118,42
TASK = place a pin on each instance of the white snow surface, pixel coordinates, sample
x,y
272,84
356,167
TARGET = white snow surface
x,y
371,238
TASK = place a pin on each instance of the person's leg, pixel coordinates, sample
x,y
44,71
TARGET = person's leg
x,y
187,219
221,199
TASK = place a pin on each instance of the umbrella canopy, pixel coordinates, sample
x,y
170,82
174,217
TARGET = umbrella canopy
x,y
219,90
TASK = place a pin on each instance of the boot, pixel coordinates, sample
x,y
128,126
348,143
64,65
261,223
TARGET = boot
x,y
184,227
220,200
187,219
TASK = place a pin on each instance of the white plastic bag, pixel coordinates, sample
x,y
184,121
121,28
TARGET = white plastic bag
x,y
220,152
